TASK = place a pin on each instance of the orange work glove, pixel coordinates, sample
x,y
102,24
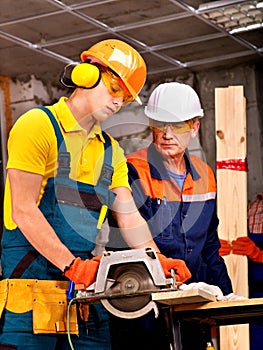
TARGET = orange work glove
x,y
245,246
225,248
83,271
182,272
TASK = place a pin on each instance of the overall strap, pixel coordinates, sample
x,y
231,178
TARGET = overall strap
x,y
107,169
60,138
63,155
24,263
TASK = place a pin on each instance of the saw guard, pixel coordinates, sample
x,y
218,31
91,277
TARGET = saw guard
x,y
145,255
125,283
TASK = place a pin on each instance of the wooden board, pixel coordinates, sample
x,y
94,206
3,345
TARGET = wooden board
x,y
222,313
210,305
230,120
183,297
194,305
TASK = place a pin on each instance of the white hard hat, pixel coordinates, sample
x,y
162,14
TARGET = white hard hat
x,y
173,102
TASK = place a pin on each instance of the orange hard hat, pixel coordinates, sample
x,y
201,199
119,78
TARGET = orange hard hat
x,y
123,59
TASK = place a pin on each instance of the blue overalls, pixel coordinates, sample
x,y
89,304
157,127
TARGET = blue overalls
x,y
72,209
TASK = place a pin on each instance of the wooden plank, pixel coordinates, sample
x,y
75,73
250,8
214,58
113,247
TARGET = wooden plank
x,y
230,120
183,297
221,313
210,305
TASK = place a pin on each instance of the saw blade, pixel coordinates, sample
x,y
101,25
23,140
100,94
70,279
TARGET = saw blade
x,y
131,292
131,314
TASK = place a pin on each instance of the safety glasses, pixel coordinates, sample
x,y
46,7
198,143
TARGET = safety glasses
x,y
176,128
115,85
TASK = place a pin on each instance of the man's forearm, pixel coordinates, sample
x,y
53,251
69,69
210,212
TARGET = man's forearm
x,y
42,237
135,231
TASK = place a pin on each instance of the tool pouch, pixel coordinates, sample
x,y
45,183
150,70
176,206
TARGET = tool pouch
x,y
50,308
46,299
16,295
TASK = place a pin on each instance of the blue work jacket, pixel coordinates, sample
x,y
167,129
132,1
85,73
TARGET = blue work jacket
x,y
183,223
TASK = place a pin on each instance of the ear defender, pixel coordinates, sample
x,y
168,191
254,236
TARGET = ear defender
x,y
85,75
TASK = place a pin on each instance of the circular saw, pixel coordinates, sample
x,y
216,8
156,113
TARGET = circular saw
x,y
125,282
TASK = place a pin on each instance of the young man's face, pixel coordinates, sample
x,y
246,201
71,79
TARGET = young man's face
x,y
108,96
103,105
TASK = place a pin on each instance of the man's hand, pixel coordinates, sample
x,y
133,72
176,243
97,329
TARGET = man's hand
x,y
182,272
83,271
225,248
245,246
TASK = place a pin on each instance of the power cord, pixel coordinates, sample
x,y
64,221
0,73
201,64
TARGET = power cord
x,y
68,324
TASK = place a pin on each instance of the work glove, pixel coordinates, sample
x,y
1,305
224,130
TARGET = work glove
x,y
83,271
233,296
245,246
225,248
210,288
182,272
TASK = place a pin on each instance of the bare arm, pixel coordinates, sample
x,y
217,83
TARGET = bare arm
x,y
136,233
134,228
25,188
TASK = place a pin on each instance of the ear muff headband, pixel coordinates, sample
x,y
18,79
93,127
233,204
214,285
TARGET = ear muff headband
x,y
83,75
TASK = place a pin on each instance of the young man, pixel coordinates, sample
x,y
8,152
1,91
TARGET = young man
x,y
175,193
63,173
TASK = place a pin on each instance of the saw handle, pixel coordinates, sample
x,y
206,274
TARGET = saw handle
x,y
173,275
179,266
83,271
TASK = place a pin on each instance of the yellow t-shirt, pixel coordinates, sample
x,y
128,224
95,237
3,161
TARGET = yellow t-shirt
x,y
32,147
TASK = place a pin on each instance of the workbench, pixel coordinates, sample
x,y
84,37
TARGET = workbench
x,y
198,306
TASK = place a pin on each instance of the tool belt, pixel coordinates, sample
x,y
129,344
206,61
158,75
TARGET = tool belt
x,y
46,299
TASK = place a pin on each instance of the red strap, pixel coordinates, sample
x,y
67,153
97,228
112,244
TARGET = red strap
x,y
233,164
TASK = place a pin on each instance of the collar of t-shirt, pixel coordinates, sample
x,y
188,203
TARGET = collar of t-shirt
x,y
178,178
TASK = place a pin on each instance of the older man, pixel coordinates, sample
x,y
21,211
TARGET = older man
x,y
175,193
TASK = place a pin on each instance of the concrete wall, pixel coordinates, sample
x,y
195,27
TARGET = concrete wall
x,y
28,94
130,126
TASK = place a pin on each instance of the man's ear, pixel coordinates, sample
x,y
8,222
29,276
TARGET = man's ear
x,y
195,129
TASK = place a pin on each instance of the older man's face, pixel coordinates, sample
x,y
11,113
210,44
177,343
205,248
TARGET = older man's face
x,y
170,143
